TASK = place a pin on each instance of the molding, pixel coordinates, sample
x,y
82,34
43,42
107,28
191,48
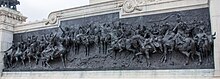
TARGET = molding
x,y
33,27
12,14
180,73
6,27
164,6
148,7
52,18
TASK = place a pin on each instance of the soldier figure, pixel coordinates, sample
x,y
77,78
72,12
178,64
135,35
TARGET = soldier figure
x,y
9,55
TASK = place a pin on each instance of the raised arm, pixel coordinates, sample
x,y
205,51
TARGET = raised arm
x,y
46,37
62,29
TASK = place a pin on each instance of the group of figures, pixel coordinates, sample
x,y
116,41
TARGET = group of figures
x,y
9,3
192,39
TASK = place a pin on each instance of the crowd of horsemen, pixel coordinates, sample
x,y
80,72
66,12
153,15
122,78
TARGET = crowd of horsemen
x,y
193,40
9,3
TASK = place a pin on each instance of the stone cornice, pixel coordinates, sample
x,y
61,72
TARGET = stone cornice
x,y
12,14
56,16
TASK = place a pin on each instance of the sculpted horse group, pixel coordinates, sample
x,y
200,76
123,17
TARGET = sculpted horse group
x,y
193,40
37,50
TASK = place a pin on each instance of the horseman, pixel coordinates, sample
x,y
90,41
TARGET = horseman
x,y
180,30
51,38
168,42
163,28
10,55
66,37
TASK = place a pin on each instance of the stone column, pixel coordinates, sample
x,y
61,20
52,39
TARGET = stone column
x,y
8,19
215,21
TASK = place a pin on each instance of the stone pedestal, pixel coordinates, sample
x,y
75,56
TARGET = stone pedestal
x,y
8,19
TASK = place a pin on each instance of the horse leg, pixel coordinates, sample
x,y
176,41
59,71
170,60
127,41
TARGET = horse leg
x,y
188,57
16,61
43,63
86,51
161,48
137,55
99,47
134,57
46,62
164,56
65,57
11,59
62,58
115,55
106,47
200,57
75,46
29,60
10,62
87,48
147,57
23,62
103,47
154,48
36,60
147,54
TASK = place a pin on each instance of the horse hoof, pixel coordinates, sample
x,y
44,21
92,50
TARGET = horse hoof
x,y
186,64
149,64
200,63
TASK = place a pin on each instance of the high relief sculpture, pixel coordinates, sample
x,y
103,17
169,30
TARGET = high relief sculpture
x,y
114,41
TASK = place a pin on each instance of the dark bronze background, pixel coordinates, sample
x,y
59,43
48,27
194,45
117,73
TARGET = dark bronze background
x,y
123,61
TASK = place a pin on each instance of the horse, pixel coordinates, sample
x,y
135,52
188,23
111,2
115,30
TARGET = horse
x,y
32,52
85,42
142,47
6,59
77,42
60,51
168,42
19,55
54,51
105,41
187,47
202,45
46,55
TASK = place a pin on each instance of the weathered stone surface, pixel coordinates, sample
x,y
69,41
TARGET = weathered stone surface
x,y
123,60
